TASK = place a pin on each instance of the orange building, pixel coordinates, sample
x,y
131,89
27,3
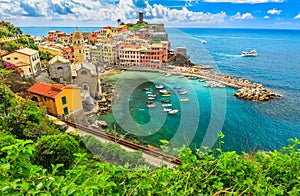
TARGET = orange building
x,y
57,98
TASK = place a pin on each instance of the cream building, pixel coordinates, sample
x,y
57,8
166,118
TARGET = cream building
x,y
26,59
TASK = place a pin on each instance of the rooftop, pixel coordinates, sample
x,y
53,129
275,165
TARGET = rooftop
x,y
27,51
47,90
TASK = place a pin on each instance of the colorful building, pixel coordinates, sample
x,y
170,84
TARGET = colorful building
x,y
57,98
78,45
26,59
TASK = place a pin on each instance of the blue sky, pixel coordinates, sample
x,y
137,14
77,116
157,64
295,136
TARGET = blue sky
x,y
173,13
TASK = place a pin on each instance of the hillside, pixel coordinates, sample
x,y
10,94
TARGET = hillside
x,y
38,158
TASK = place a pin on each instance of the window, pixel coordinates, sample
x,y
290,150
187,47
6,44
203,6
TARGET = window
x,y
66,111
64,100
8,59
16,58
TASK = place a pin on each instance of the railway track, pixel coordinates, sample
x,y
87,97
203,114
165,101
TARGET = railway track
x,y
165,157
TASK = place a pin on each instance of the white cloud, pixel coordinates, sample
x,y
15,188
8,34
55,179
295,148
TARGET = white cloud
x,y
298,16
239,16
266,17
91,12
274,11
245,1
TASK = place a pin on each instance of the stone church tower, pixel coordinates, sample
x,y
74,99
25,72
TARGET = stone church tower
x,y
78,44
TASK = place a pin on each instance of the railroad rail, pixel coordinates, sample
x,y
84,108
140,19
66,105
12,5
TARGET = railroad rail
x,y
165,157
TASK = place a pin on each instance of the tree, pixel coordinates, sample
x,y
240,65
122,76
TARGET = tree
x,y
55,149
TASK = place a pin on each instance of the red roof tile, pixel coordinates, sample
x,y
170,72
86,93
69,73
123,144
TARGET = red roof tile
x,y
48,90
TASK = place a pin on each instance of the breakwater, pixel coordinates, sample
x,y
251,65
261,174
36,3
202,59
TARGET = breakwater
x,y
245,88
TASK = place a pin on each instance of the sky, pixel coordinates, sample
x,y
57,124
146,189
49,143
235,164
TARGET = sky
x,y
173,13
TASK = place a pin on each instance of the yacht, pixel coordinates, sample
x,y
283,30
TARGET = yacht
x,y
249,53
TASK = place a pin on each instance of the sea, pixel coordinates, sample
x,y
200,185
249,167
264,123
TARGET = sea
x,y
246,125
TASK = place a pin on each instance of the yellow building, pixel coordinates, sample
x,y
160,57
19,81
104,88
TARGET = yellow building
x,y
26,59
57,98
78,45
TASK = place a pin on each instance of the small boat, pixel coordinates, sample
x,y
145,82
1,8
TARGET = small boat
x,y
182,92
149,92
165,100
166,105
184,99
192,78
164,91
203,41
181,76
141,109
251,53
166,95
149,102
146,89
177,87
166,109
201,80
151,95
151,105
151,98
173,111
159,86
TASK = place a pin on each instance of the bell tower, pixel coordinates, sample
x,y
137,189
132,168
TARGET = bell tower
x,y
78,46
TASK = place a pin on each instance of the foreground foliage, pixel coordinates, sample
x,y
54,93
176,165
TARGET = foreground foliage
x,y
37,159
273,173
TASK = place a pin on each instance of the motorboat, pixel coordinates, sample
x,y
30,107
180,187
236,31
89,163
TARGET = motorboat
x,y
159,86
146,89
173,111
165,100
166,105
151,98
166,94
251,53
167,110
164,91
184,99
182,92
151,105
177,87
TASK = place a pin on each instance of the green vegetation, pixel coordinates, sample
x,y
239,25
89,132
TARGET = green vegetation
x,y
8,30
38,159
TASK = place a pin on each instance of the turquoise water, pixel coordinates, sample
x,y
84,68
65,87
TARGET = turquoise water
x,y
244,123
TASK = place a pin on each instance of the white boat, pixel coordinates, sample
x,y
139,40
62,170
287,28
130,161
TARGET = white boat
x,y
167,110
249,53
164,91
177,87
166,105
151,98
203,41
159,86
151,105
151,95
184,99
173,111
182,92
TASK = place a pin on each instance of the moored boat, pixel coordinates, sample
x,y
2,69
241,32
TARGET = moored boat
x,y
182,92
165,100
151,105
166,105
177,87
173,111
166,109
184,99
166,94
159,86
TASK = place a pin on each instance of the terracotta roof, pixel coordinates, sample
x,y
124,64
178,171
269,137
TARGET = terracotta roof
x,y
48,90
